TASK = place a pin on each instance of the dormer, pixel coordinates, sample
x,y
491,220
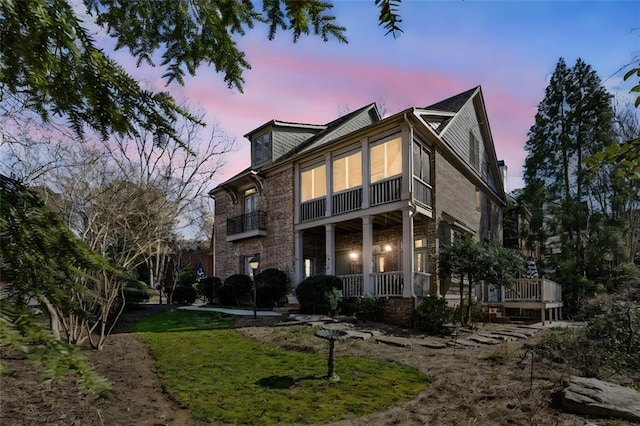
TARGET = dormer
x,y
276,138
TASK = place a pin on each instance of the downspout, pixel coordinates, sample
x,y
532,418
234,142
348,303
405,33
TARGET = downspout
x,y
413,209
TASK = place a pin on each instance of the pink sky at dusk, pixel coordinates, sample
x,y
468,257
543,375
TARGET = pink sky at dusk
x,y
509,48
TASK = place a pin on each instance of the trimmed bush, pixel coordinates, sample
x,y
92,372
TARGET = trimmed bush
x,y
272,285
208,287
187,277
369,308
136,292
236,290
184,294
432,314
319,294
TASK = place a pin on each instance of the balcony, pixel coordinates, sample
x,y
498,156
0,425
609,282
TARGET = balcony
x,y
248,225
313,209
347,201
386,191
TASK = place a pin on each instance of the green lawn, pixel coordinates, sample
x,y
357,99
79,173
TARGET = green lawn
x,y
219,374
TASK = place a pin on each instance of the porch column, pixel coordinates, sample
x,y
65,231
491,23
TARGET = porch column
x,y
329,182
407,251
543,314
299,258
330,248
367,254
366,174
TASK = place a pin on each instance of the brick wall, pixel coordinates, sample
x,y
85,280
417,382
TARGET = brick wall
x,y
277,248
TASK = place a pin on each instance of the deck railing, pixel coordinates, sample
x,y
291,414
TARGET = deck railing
x,y
347,201
312,209
532,290
385,191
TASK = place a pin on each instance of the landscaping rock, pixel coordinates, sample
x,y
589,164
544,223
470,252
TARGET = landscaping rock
x,y
515,334
358,335
594,397
394,341
430,344
484,340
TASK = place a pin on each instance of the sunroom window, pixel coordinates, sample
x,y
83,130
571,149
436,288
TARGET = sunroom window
x,y
386,159
313,183
347,172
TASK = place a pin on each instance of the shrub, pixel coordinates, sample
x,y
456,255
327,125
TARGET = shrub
x,y
208,287
432,314
369,308
184,294
319,294
187,277
236,290
272,285
136,291
475,313
610,342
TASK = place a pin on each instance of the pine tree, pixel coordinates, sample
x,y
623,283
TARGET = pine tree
x,y
574,120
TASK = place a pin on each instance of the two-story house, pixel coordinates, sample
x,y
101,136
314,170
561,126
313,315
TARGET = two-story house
x,y
364,198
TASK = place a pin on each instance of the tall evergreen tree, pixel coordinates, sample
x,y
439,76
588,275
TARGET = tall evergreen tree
x,y
574,120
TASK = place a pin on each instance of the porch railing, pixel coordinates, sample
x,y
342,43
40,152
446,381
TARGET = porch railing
x,y
385,191
533,290
421,284
352,285
387,283
347,201
312,209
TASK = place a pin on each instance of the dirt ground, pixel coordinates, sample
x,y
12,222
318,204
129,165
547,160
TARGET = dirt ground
x,y
471,386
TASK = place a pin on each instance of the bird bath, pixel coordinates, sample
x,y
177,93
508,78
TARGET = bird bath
x,y
331,336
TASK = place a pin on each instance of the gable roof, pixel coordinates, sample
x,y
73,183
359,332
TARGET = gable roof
x,y
329,131
454,103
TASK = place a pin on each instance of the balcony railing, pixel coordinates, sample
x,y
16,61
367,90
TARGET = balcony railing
x,y
347,201
255,221
312,209
422,192
386,191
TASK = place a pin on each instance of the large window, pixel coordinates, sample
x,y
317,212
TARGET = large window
x,y
347,172
262,148
421,163
386,159
313,183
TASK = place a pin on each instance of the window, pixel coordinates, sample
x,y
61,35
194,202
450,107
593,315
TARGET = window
x,y
262,148
251,214
309,267
313,183
386,159
421,163
474,150
347,172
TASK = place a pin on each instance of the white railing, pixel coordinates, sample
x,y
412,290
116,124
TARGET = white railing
x,y
387,283
347,201
421,284
533,290
352,285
